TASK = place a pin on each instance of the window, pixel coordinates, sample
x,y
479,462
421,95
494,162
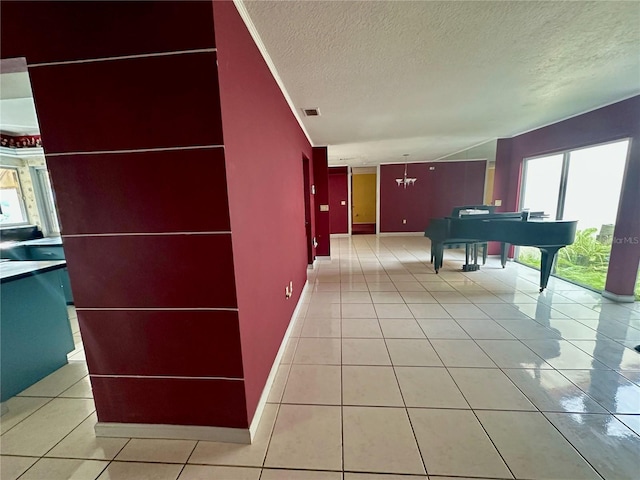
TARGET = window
x,y
581,185
12,209
45,200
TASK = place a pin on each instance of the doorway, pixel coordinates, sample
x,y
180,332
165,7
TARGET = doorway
x,y
307,188
363,200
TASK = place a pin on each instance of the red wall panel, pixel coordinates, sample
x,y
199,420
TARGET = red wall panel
x,y
144,102
97,29
200,343
440,186
264,146
150,102
338,193
142,271
614,122
164,191
203,402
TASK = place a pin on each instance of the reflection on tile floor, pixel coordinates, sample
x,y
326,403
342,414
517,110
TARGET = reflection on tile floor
x,y
391,373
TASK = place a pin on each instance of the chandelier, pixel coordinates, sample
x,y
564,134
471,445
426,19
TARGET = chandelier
x,y
404,181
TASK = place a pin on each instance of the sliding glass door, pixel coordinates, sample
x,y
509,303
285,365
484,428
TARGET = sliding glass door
x,y
581,185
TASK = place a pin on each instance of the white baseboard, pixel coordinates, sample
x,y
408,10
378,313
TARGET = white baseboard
x,y
276,363
618,298
173,432
323,258
401,234
196,432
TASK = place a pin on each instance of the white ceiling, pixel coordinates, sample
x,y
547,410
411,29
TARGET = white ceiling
x,y
431,78
428,78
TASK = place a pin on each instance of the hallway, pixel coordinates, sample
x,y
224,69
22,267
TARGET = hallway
x,y
392,369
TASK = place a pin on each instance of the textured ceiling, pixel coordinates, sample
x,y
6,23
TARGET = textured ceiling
x,y
432,78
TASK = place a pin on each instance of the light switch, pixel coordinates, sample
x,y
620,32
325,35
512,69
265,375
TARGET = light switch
x,y
498,203
324,208
343,202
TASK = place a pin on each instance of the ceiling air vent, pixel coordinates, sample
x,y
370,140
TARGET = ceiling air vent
x,y
311,112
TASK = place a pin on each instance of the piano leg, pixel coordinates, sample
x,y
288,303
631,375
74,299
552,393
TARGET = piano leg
x,y
546,262
437,252
504,251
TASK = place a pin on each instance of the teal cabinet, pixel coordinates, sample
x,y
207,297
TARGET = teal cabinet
x,y
35,335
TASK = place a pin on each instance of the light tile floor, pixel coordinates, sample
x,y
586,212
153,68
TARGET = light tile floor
x,y
391,373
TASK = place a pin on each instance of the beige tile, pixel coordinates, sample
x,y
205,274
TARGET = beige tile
x,y
489,329
206,472
358,310
532,447
290,349
355,297
428,310
550,391
453,442
19,409
324,297
409,352
459,311
318,351
328,310
512,354
562,354
401,328
81,389
321,327
279,384
392,310
140,471
461,353
12,467
611,390
417,297
439,328
292,445
42,430
83,443
380,440
64,469
279,474
313,384
56,383
361,328
489,389
450,297
381,476
381,287
156,450
414,286
222,453
356,351
374,386
603,441
387,297
429,387
631,421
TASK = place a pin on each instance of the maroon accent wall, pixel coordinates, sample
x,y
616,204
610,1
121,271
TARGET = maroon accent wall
x,y
264,146
440,187
614,122
144,247
321,178
338,192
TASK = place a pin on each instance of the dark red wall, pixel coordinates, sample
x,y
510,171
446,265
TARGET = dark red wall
x,y
440,186
264,146
321,178
146,233
338,192
614,122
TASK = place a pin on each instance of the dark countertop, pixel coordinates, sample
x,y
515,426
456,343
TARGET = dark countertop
x,y
14,270
47,241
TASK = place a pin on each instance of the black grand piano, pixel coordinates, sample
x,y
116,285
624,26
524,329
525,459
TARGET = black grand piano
x,y
472,225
